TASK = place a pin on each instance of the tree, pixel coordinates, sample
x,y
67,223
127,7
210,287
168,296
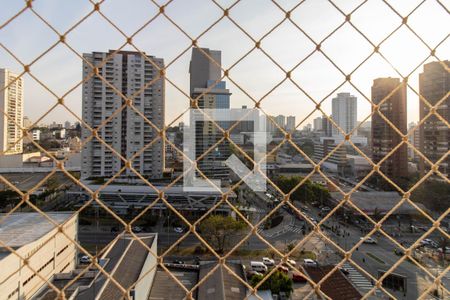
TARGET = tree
x,y
219,230
308,191
434,194
276,283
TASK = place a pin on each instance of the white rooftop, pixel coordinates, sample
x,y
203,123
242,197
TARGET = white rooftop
x,y
19,229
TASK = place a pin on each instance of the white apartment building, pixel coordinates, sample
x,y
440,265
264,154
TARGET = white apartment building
x,y
344,112
127,132
11,103
47,250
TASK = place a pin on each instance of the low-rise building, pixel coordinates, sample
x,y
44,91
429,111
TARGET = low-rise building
x,y
47,250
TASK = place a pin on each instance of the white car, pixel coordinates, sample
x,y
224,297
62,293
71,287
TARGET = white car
x,y
369,240
309,262
85,259
268,261
178,230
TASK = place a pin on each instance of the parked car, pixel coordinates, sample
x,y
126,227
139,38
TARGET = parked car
x,y
399,252
268,261
252,273
283,269
178,229
315,204
85,259
290,262
325,209
298,277
369,240
309,262
258,266
114,229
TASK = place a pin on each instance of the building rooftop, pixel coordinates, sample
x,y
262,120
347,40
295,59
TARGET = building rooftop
x,y
165,288
221,284
19,229
140,189
124,262
337,286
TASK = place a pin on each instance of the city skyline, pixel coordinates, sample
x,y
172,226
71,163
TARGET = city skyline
x,y
256,73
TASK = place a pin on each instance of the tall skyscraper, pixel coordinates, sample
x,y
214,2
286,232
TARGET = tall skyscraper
x,y
11,104
344,112
434,135
384,137
127,132
204,69
290,123
204,74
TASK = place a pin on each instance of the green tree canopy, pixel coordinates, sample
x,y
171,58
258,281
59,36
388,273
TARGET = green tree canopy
x,y
220,230
276,283
308,191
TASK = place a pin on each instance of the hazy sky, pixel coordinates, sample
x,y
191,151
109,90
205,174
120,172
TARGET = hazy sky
x,y
60,70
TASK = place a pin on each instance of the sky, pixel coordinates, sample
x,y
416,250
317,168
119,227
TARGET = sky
x,y
60,70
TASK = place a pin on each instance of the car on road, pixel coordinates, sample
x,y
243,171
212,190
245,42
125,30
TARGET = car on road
x,y
85,259
137,229
369,240
298,277
178,262
268,261
305,208
325,209
178,229
429,242
313,220
309,262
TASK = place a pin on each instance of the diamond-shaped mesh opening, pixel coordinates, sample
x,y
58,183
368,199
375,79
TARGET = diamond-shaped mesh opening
x,y
355,204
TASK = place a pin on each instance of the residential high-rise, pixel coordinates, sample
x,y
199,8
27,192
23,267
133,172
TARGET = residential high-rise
x,y
317,124
384,137
414,139
126,132
11,113
344,112
281,121
290,123
434,85
205,74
